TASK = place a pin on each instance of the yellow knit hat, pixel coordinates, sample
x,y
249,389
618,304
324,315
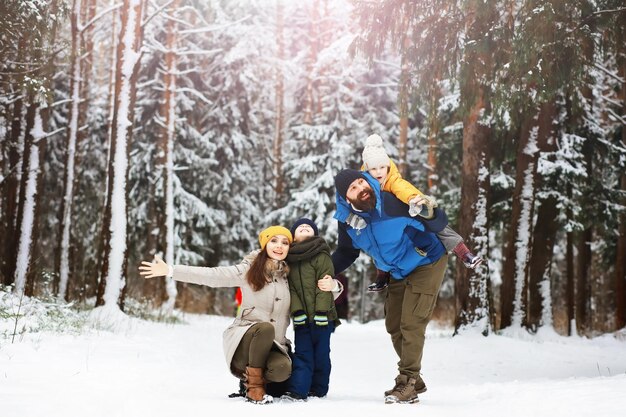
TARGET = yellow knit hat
x,y
272,231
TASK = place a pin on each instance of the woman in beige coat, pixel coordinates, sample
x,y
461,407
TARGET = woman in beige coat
x,y
255,345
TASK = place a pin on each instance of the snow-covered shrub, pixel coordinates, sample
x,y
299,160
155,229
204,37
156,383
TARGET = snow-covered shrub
x,y
20,315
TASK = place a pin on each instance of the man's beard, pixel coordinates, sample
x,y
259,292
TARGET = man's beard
x,y
365,201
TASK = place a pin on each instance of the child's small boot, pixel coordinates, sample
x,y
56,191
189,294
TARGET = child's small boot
x,y
293,396
382,280
470,260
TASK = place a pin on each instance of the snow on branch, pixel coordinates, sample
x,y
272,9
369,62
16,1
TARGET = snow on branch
x,y
194,11
40,65
596,14
30,71
156,13
49,134
617,147
61,102
152,82
186,71
387,63
610,74
179,21
610,100
212,29
199,52
601,12
621,119
97,17
8,174
155,45
194,92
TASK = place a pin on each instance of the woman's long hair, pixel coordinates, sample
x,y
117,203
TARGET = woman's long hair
x,y
256,274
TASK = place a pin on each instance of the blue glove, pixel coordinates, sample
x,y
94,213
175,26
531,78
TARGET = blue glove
x,y
299,318
321,318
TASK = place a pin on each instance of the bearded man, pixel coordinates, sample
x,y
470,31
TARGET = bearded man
x,y
409,249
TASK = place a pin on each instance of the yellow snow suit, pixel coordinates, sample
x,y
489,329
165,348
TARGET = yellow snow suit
x,y
398,186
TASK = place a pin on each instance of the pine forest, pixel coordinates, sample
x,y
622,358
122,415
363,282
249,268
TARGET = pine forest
x,y
181,128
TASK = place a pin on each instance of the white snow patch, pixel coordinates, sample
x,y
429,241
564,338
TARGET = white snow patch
x,y
159,370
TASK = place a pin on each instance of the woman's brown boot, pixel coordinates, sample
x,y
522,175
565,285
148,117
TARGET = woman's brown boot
x,y
255,386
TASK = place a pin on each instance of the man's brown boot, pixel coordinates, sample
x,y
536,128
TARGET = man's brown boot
x,y
420,385
255,386
405,395
400,382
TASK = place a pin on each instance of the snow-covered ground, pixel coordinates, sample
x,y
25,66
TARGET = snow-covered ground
x,y
157,369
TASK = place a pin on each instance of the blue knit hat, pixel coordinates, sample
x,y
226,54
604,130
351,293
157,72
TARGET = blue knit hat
x,y
304,220
345,178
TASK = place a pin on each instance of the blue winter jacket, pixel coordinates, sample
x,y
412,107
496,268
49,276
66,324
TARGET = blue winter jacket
x,y
397,242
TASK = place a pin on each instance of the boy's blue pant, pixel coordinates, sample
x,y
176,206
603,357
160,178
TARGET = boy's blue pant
x,y
311,360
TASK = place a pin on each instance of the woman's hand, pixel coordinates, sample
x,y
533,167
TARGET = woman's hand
x,y
327,283
153,269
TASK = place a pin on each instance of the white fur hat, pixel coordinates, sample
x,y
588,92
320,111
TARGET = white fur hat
x,y
374,154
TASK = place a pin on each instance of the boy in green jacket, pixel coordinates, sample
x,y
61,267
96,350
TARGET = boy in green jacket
x,y
313,311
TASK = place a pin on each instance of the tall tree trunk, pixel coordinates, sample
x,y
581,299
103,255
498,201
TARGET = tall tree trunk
x,y
512,280
324,37
39,135
32,179
404,116
544,236
11,185
314,43
27,198
166,289
103,240
570,273
583,284
81,286
63,252
114,231
402,141
584,257
277,171
433,132
472,288
37,117
514,290
620,262
11,192
153,291
403,102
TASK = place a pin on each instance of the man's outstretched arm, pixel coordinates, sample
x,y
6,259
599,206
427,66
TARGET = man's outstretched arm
x,y
346,253
396,208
